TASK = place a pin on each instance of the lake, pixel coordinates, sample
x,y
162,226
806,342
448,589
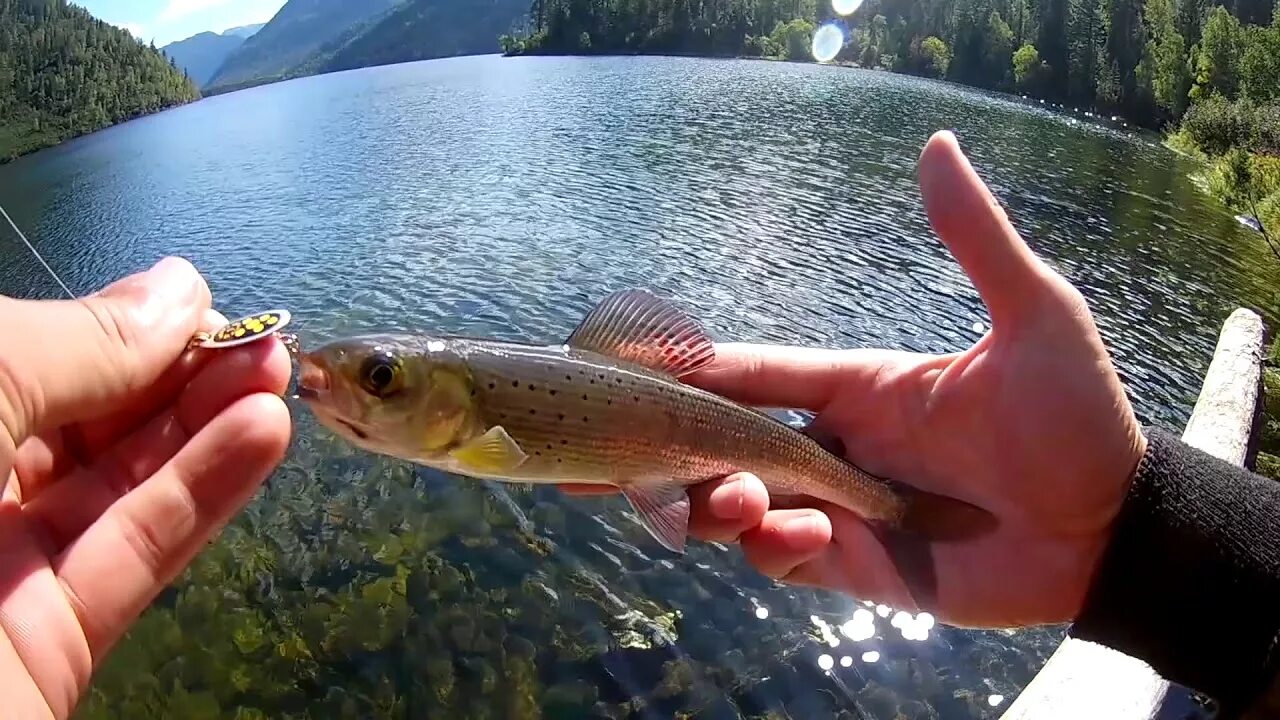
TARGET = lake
x,y
503,197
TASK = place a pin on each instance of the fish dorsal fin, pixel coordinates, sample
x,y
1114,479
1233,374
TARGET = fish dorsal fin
x,y
639,327
663,507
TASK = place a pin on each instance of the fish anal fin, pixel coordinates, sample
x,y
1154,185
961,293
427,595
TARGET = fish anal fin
x,y
663,508
494,451
640,327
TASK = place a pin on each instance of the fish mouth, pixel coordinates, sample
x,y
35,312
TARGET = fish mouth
x,y
354,430
313,378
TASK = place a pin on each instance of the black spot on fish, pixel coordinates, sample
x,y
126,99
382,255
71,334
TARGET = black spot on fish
x,y
568,378
619,380
515,383
585,418
637,398
548,446
609,401
561,416
593,382
537,452
562,442
584,397
553,392
532,411
493,386
531,387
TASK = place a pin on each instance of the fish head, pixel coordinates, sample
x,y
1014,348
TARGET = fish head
x,y
400,395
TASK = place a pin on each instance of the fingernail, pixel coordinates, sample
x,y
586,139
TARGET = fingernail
x,y
799,526
800,532
728,499
169,285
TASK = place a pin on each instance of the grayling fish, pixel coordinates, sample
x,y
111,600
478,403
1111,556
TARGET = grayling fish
x,y
606,407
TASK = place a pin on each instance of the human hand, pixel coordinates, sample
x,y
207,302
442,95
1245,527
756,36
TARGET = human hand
x,y
123,455
1030,423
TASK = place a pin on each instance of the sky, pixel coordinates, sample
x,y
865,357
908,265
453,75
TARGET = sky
x,y
165,21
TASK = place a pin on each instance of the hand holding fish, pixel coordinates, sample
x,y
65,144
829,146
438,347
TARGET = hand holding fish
x,y
1031,423
123,453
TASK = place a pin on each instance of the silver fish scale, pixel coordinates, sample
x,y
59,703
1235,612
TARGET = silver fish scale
x,y
584,417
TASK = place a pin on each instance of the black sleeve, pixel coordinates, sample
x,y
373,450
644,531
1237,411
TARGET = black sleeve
x,y
1190,582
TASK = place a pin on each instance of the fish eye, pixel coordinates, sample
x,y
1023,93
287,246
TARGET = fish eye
x,y
381,374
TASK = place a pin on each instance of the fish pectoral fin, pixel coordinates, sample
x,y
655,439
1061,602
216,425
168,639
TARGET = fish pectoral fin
x,y
494,451
639,327
664,510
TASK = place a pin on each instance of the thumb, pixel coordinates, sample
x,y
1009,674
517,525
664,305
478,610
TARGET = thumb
x,y
970,222
72,360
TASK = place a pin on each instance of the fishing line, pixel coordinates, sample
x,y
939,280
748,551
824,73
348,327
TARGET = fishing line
x,y
33,250
237,332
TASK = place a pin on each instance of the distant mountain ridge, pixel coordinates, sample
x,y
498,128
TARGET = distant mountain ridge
x,y
424,29
244,31
291,40
201,55
307,37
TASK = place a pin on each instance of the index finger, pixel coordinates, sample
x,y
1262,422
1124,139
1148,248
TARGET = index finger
x,y
792,377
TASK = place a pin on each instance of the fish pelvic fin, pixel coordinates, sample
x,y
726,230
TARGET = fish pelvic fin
x,y
494,451
639,327
663,508
940,518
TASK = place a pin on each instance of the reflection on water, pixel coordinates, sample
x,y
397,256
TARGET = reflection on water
x,y
503,197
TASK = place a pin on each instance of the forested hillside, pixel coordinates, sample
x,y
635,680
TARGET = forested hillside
x,y
289,45
65,73
421,29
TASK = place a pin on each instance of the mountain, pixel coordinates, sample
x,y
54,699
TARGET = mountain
x,y
201,55
422,29
244,31
300,31
65,73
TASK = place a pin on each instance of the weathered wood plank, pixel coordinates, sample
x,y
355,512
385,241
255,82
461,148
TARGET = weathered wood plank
x,y
1086,680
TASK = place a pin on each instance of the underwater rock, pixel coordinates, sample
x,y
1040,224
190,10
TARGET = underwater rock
x,y
517,647
880,701
569,700
548,516
678,677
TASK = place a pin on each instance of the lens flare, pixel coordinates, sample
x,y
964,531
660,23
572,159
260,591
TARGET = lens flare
x,y
827,42
845,7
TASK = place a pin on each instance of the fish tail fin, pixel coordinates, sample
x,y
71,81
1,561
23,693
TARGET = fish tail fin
x,y
941,518
928,518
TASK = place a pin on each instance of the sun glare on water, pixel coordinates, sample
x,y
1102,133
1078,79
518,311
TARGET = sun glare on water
x,y
827,41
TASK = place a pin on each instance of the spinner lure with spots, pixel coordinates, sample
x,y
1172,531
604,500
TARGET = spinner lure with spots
x,y
250,328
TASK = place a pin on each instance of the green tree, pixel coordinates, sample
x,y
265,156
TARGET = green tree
x,y
1216,58
1259,68
1027,68
1164,57
936,56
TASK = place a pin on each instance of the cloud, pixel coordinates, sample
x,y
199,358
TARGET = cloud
x,y
134,29
178,9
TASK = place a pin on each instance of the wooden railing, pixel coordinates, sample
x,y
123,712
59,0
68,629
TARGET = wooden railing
x,y
1086,680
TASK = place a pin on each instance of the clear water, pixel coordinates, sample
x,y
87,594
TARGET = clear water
x,y
502,197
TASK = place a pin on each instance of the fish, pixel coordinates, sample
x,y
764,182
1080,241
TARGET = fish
x,y
606,407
